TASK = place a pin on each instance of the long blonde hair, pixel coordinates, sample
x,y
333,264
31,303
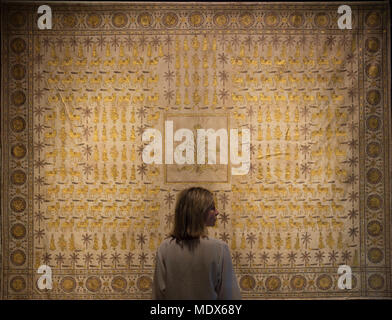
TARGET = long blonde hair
x,y
191,212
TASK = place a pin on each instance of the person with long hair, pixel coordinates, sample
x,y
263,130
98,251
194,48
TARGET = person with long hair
x,y
189,264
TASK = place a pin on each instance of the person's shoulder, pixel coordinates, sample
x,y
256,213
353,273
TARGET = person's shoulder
x,y
166,242
215,242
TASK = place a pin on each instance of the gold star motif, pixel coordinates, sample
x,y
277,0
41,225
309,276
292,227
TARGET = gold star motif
x,y
374,241
374,215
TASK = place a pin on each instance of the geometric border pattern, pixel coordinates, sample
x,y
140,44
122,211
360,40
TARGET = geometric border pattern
x,y
371,22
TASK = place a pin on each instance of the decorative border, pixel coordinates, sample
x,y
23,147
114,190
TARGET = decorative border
x,y
375,135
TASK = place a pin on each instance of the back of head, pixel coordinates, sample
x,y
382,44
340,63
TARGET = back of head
x,y
191,211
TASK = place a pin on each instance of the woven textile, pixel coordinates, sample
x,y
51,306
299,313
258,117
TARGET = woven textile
x,y
76,99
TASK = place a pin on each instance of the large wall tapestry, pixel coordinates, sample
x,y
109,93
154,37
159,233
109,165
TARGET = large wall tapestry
x,y
76,99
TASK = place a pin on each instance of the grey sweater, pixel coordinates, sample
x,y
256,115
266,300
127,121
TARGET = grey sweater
x,y
204,272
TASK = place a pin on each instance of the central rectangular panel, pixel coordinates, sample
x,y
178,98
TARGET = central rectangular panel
x,y
197,173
